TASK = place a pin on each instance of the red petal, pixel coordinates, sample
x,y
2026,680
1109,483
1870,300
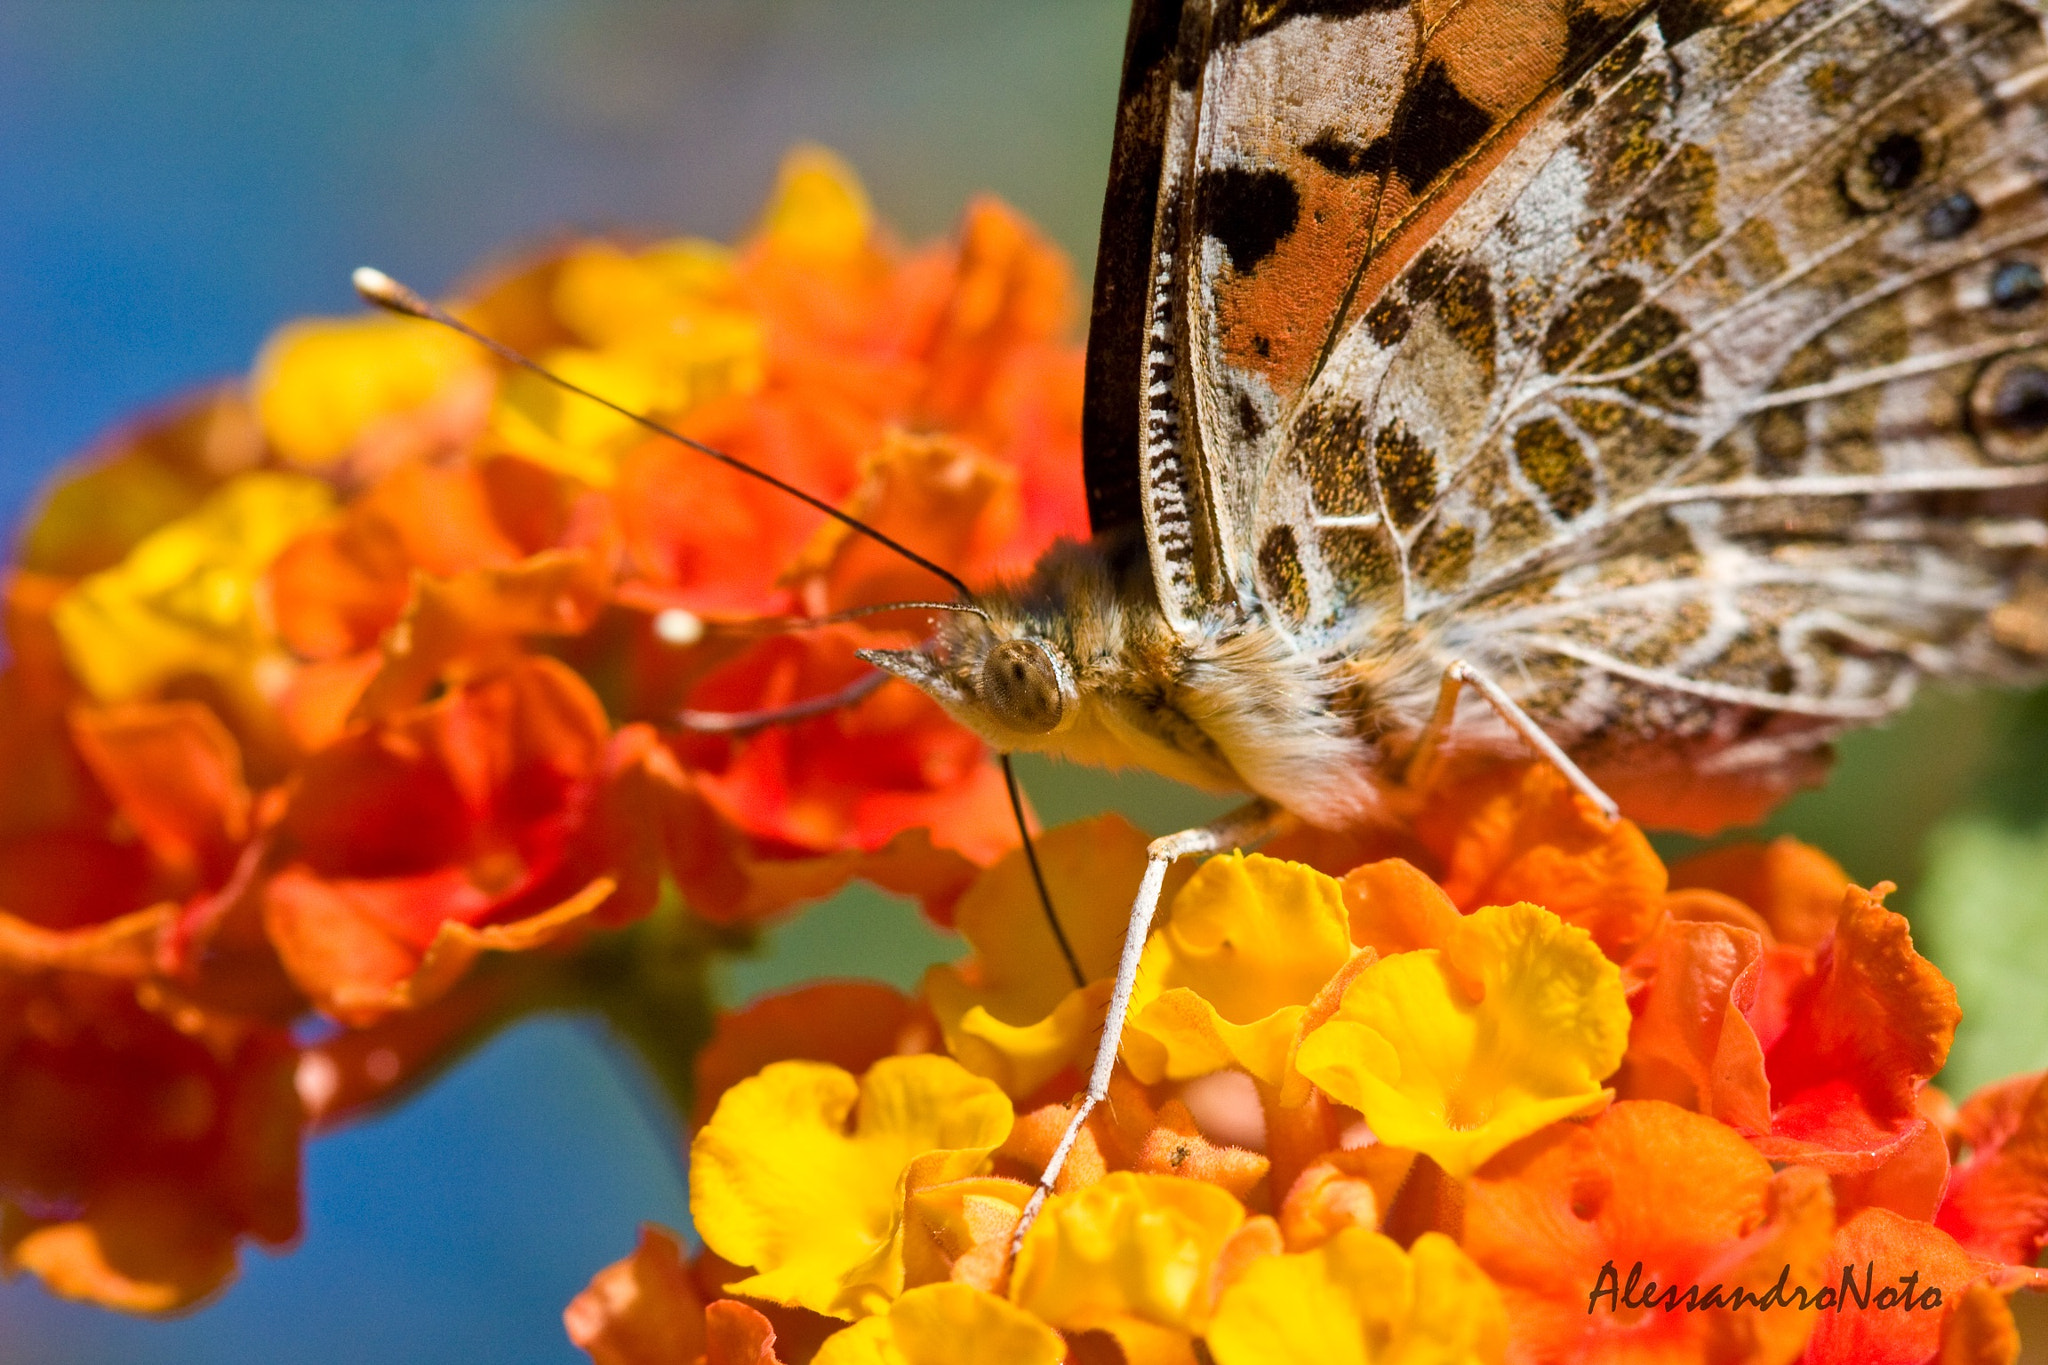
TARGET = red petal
x,y
1997,1205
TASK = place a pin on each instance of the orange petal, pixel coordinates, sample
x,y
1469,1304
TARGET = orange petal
x,y
1910,1182
1344,1189
642,1310
1997,1204
1668,784
476,620
1872,1026
176,774
1882,1260
930,493
737,1334
123,947
1562,1220
142,1250
960,1231
1395,908
1794,886
1012,289
501,803
1690,1043
138,1154
358,1001
1177,1147
1523,834
1980,1330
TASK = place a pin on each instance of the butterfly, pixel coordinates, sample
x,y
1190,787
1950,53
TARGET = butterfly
x,y
1671,376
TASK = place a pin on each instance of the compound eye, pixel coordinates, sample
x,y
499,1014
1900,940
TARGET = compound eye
x,y
1022,683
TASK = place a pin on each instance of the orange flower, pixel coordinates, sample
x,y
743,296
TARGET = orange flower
x,y
408,842
642,1310
1521,834
647,1310
339,588
811,803
1692,1042
1860,1035
1902,1295
1795,887
61,867
1563,1220
136,1156
1997,1201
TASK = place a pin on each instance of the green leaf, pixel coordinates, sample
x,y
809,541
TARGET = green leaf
x,y
1982,916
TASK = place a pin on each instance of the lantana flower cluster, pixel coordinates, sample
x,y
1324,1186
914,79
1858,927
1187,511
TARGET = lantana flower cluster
x,y
1508,1089
339,713
353,708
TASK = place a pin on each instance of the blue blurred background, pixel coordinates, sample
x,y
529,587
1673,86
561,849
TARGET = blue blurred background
x,y
179,176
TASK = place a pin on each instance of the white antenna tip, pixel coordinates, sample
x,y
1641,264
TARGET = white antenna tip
x,y
379,288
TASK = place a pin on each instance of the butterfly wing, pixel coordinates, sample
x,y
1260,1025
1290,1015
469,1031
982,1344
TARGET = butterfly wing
x,y
1275,162
1731,422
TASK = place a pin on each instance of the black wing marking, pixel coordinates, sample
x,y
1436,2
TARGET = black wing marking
x,y
1110,439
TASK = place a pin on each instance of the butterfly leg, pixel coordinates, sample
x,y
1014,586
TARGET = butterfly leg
x,y
1461,675
1248,824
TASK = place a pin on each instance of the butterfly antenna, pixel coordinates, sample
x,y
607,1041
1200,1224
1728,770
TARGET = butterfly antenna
x,y
1038,874
380,289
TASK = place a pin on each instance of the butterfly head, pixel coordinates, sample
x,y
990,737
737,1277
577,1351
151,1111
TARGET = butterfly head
x,y
1039,664
1013,686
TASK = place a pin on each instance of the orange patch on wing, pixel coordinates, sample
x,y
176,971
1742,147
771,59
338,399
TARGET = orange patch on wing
x,y
1273,321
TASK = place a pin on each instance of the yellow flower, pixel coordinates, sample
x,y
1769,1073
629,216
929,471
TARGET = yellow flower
x,y
569,433
1011,1012
945,1324
1358,1299
663,330
818,211
1457,1052
1249,942
780,1183
321,383
609,296
187,599
670,328
1133,1255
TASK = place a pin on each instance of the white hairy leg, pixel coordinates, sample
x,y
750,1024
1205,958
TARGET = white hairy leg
x,y
1248,824
1461,675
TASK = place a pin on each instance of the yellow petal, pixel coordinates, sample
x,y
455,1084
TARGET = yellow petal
x,y
570,433
1458,1052
945,1324
818,211
1358,1299
187,599
320,383
870,1341
609,296
1132,1254
665,321
779,1182
1011,1012
1249,942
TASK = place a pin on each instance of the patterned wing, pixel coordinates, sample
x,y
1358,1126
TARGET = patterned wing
x,y
1276,161
1733,422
